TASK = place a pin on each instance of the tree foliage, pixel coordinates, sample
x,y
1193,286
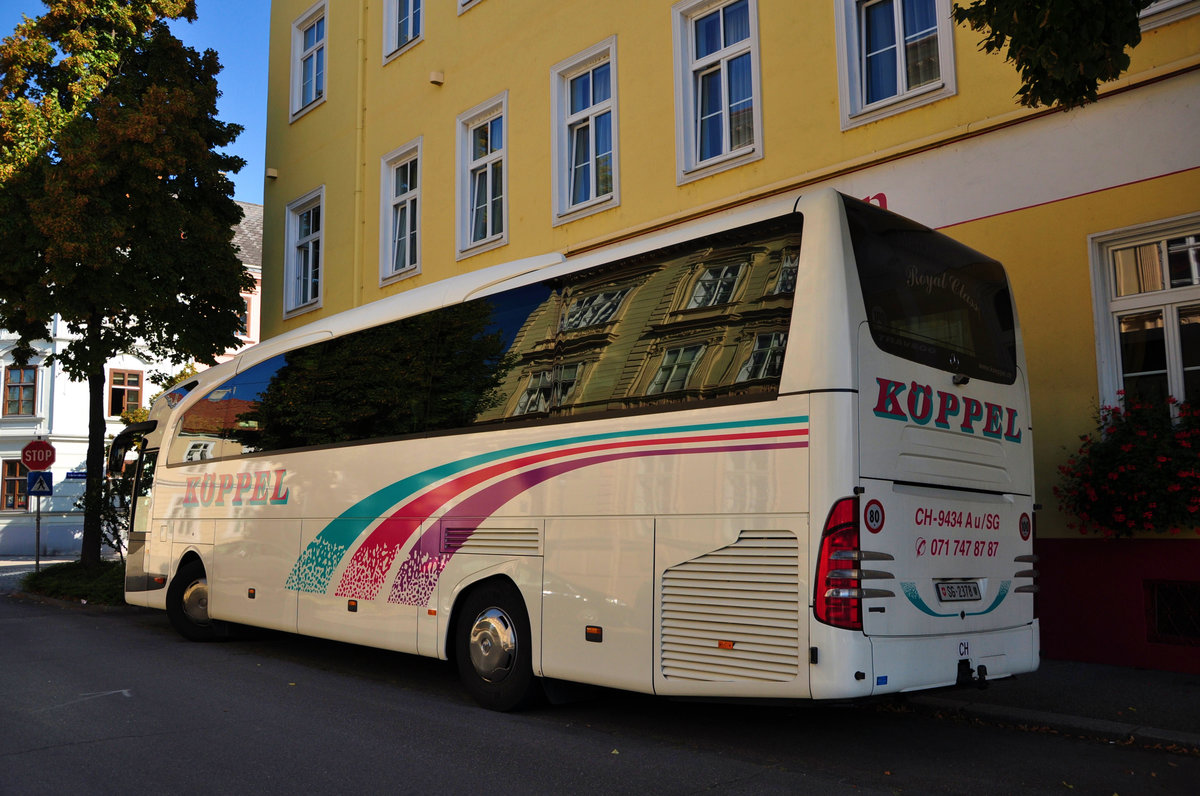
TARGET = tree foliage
x,y
1063,49
116,211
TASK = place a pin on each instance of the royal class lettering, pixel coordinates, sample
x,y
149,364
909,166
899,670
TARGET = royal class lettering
x,y
921,404
260,488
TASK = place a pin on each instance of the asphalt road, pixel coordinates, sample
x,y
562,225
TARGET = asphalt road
x,y
98,702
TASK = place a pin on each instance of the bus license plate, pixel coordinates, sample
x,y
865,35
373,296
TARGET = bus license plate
x,y
955,591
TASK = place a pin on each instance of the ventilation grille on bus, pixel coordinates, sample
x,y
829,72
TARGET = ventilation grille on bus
x,y
734,614
492,541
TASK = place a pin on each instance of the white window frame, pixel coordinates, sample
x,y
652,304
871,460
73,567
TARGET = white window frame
x,y
410,152
292,300
670,369
854,110
1107,307
317,12
593,309
483,113
392,16
689,167
544,389
768,348
561,75
789,273
717,274
466,5
35,413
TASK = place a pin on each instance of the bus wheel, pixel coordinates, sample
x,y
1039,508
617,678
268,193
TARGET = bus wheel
x,y
187,603
492,647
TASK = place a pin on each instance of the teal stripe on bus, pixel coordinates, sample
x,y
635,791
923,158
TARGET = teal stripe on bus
x,y
315,566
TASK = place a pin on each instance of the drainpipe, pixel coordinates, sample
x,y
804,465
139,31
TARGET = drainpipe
x,y
360,146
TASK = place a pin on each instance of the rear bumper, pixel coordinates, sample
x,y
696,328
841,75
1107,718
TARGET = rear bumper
x,y
917,663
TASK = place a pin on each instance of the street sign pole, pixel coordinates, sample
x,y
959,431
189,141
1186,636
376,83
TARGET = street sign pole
x,y
40,483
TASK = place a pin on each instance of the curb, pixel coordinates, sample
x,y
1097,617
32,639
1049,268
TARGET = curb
x,y
57,602
1113,731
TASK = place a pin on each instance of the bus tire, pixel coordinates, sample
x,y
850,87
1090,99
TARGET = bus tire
x,y
492,647
187,604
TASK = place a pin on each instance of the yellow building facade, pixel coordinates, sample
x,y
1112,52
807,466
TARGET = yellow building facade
x,y
409,141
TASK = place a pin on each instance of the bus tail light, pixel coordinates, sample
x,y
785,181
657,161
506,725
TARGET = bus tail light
x,y
837,598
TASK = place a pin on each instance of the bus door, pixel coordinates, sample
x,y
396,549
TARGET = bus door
x,y
131,467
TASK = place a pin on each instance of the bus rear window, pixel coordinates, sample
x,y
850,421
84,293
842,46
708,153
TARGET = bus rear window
x,y
931,299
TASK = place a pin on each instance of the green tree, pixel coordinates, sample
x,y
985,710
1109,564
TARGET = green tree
x,y
116,213
1063,49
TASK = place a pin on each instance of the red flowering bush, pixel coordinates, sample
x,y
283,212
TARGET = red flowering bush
x,y
1139,471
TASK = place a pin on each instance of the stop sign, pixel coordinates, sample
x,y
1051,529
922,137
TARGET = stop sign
x,y
37,455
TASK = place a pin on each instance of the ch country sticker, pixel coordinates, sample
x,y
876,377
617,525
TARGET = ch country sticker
x,y
945,410
257,488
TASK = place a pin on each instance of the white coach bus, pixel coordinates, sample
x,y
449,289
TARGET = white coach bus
x,y
781,452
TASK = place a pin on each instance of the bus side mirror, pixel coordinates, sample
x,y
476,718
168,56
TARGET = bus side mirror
x,y
130,436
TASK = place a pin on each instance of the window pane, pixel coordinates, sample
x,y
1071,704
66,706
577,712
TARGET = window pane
x,y
1144,356
879,37
1189,345
306,82
710,138
1137,270
399,237
315,278
741,103
497,133
920,42
412,231
402,180
497,198
479,142
319,77
880,23
581,177
708,34
604,154
581,92
737,22
1183,260
601,88
479,205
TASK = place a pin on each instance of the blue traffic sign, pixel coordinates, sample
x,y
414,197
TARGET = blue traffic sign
x,y
40,484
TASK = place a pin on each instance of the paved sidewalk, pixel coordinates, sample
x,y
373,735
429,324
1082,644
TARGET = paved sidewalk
x,y
1114,702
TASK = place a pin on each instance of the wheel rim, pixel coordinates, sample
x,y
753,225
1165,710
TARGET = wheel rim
x,y
195,602
493,645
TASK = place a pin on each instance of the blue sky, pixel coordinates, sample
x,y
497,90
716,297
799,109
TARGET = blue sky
x,y
237,30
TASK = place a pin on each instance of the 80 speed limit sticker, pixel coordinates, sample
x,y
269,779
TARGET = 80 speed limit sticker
x,y
873,516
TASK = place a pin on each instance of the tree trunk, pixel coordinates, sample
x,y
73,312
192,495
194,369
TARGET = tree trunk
x,y
89,554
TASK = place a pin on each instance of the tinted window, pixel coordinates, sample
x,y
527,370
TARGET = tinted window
x,y
626,336
931,299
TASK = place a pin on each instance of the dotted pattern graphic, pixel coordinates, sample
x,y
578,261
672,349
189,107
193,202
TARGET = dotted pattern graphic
x,y
364,574
317,562
418,578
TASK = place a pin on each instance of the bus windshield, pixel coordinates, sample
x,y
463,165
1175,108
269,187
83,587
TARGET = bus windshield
x,y
931,299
